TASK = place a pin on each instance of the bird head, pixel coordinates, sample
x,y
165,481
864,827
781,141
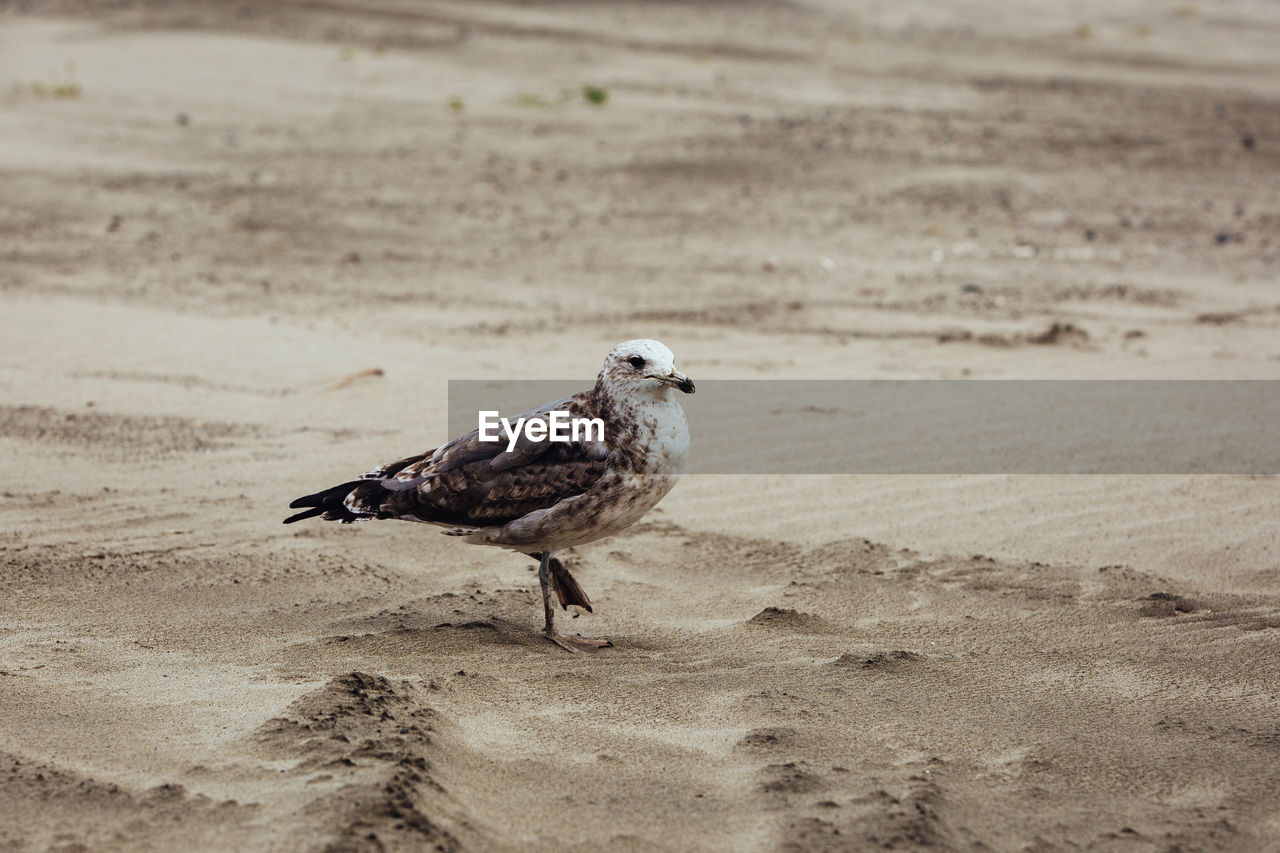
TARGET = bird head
x,y
644,366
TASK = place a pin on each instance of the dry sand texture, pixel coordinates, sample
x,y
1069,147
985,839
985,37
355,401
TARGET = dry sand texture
x,y
211,213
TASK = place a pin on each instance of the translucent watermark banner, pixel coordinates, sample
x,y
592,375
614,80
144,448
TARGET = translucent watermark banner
x,y
948,426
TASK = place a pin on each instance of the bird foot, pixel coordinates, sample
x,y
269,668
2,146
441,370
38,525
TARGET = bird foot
x,y
566,587
576,642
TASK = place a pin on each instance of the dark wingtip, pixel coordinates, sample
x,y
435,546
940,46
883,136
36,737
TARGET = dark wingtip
x,y
308,514
329,503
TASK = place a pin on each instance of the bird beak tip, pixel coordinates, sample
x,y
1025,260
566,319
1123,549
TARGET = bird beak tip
x,y
676,379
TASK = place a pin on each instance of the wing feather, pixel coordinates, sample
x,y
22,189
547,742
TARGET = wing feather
x,y
474,483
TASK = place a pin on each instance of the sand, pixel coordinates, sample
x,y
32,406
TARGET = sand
x,y
210,214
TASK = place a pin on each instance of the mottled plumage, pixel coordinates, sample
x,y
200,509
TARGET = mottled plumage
x,y
541,496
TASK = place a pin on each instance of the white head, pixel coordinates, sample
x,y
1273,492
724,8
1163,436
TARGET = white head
x,y
643,366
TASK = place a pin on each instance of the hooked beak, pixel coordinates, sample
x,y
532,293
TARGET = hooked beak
x,y
676,379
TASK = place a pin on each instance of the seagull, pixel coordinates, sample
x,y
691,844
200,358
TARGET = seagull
x,y
540,497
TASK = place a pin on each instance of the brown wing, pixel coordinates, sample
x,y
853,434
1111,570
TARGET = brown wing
x,y
468,482
491,492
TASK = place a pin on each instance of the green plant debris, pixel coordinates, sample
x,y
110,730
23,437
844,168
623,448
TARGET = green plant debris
x,y
60,89
597,95
529,99
456,104
65,87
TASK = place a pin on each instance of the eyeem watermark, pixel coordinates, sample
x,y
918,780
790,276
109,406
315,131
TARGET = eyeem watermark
x,y
943,426
559,425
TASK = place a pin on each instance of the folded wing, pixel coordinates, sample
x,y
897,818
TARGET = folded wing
x,y
469,482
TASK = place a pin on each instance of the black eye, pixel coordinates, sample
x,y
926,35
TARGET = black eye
x,y
636,361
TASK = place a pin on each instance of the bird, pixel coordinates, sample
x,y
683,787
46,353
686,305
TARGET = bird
x,y
541,497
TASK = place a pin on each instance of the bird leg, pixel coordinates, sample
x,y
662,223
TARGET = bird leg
x,y
566,586
570,642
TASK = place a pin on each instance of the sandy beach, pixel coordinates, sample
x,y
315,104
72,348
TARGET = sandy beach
x,y
244,247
